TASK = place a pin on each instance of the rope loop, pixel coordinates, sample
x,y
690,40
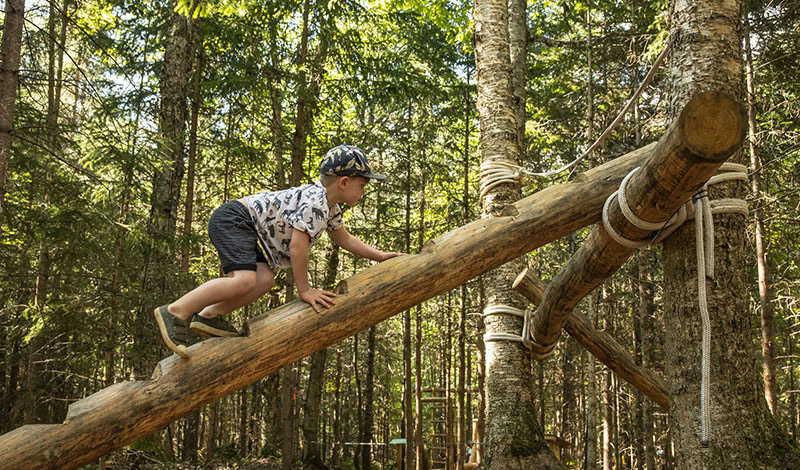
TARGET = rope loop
x,y
506,309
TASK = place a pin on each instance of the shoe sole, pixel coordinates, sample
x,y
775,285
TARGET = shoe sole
x,y
178,349
210,331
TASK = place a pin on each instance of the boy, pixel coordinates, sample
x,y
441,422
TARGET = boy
x,y
286,223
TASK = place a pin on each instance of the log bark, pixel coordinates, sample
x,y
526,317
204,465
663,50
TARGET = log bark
x,y
709,129
126,411
602,345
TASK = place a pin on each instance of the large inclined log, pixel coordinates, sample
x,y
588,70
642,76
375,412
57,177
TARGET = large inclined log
x,y
709,129
127,411
602,345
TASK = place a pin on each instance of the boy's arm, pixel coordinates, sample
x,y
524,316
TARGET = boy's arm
x,y
298,252
354,245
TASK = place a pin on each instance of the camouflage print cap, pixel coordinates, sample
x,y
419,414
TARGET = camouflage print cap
x,y
347,160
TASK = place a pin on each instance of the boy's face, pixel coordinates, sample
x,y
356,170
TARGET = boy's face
x,y
353,189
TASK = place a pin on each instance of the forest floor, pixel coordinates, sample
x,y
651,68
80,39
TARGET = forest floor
x,y
131,462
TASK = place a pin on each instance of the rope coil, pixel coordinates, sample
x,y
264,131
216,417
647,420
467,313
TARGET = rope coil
x,y
525,339
702,210
498,172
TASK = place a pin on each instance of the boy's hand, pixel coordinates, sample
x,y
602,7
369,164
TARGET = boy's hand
x,y
318,298
389,255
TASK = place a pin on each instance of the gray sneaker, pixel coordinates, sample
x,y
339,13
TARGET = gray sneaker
x,y
173,331
212,326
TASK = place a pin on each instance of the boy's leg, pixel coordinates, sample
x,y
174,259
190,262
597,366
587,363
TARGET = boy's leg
x,y
237,284
207,322
172,319
233,234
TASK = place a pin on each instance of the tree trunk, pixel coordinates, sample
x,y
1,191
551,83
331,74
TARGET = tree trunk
x,y
243,407
190,443
337,411
605,308
464,418
197,98
157,282
288,391
590,462
212,428
420,457
707,54
765,298
513,437
359,406
314,453
646,309
308,89
408,408
419,444
9,77
369,392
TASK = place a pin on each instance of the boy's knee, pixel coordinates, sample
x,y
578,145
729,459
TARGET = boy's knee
x,y
245,282
265,281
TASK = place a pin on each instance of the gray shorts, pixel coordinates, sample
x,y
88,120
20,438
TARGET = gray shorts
x,y
234,236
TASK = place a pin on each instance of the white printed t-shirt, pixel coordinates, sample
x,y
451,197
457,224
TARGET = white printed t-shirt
x,y
276,213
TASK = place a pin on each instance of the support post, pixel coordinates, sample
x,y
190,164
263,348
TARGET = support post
x,y
602,345
709,129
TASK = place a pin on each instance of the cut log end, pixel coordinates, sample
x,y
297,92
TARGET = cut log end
x,y
519,278
712,125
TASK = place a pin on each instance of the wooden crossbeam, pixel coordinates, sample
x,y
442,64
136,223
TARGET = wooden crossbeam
x,y
601,344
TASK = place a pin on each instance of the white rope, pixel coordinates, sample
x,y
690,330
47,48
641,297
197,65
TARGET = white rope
x,y
702,210
526,315
498,172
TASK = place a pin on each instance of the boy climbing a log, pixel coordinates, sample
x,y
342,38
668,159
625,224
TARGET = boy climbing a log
x,y
285,224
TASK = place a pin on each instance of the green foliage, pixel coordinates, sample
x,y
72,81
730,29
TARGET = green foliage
x,y
398,80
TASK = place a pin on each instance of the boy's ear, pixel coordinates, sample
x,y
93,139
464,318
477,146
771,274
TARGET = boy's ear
x,y
342,182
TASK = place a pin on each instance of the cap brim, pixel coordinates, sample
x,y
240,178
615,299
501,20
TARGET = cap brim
x,y
375,176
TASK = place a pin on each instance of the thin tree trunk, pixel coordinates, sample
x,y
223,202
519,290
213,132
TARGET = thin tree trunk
x,y
465,433
337,411
420,456
591,403
288,390
591,399
211,431
302,120
167,179
646,309
567,385
197,98
767,321
190,442
408,409
314,453
369,391
9,77
359,403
